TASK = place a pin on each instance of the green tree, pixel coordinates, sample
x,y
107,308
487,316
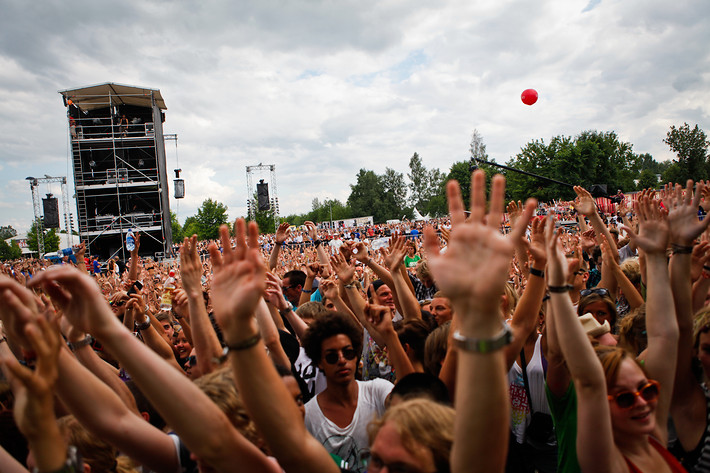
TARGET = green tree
x,y
590,158
210,216
395,193
691,147
7,232
9,251
190,227
436,205
382,197
419,183
50,237
647,180
178,235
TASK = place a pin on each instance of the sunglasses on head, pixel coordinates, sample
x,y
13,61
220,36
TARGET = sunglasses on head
x,y
600,291
627,399
332,357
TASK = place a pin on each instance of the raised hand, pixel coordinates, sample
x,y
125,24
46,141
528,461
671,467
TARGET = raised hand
x,y
329,289
274,292
79,298
698,259
474,269
312,270
683,212
653,226
282,233
394,255
238,281
33,390
536,247
584,203
18,307
190,266
514,209
344,270
361,254
312,230
380,317
588,240
557,265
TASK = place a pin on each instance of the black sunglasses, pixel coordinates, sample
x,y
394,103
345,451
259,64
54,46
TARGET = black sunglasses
x,y
600,291
192,360
627,399
332,357
117,303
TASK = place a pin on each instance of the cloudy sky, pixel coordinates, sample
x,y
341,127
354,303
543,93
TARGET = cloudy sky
x,y
323,88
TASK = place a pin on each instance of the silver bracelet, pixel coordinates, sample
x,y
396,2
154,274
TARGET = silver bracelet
x,y
483,345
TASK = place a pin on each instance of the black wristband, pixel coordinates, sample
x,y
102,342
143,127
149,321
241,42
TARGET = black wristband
x,y
560,289
537,272
143,326
681,249
316,243
306,291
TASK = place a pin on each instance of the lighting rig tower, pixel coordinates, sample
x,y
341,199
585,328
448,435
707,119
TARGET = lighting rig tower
x,y
34,187
273,203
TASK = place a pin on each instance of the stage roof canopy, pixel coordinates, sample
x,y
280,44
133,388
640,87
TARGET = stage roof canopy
x,y
97,96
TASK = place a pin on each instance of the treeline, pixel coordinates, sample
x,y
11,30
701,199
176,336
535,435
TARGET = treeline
x,y
592,157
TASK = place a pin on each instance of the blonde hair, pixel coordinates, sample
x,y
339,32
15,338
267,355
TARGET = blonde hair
x,y
435,348
311,310
101,456
632,270
421,423
701,324
632,331
511,297
219,386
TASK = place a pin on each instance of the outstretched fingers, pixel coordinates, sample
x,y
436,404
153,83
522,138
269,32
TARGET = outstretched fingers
x,y
453,195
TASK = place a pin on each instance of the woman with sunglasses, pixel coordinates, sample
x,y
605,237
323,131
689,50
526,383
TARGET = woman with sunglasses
x,y
622,406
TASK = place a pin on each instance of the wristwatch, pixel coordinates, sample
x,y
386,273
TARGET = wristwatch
x,y
483,345
87,340
289,308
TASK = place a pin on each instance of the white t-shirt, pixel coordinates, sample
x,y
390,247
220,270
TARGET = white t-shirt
x,y
350,441
310,374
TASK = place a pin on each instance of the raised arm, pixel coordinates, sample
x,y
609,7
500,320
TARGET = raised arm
x,y
661,325
134,268
238,284
202,426
204,338
593,416
394,259
527,311
33,390
688,405
472,273
380,318
280,237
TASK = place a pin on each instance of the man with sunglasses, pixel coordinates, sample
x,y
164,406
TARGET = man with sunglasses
x,y
338,417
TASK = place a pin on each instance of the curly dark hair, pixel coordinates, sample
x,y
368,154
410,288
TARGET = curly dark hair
x,y
330,325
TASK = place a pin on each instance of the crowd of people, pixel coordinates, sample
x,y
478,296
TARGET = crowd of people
x,y
518,338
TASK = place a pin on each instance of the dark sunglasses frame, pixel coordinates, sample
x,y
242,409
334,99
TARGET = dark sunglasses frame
x,y
332,357
117,303
600,291
627,399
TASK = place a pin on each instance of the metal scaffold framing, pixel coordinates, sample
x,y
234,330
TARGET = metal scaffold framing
x,y
39,227
251,190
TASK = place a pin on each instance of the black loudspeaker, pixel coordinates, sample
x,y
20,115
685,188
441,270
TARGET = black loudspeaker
x,y
51,212
598,190
262,194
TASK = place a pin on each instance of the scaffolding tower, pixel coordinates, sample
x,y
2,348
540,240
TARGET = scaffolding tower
x,y
120,176
39,226
251,190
